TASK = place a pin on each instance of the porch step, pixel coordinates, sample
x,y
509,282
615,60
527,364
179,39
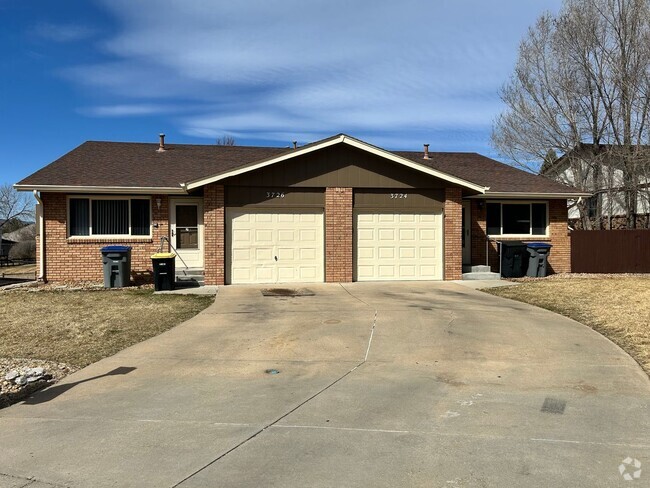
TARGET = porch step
x,y
481,275
190,277
476,269
480,269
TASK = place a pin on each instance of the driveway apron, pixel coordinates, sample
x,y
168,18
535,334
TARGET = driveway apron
x,y
364,384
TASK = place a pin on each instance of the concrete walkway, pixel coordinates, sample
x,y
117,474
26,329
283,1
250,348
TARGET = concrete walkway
x,y
383,385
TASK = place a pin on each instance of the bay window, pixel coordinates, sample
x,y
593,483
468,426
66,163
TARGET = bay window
x,y
516,218
118,216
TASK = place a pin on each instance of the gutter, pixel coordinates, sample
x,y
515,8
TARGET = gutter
x,y
41,236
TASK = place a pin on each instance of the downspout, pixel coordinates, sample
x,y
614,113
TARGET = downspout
x,y
41,236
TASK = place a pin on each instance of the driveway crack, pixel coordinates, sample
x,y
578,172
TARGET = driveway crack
x,y
286,414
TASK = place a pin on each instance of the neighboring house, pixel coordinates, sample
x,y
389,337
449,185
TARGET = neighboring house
x,y
24,239
600,172
337,210
6,246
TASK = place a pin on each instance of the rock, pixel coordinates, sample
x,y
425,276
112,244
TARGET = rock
x,y
21,380
12,375
32,379
36,372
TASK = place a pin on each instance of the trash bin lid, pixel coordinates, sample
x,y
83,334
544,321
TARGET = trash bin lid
x,y
116,248
539,245
163,255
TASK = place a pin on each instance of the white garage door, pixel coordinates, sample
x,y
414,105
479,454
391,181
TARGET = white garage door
x,y
398,246
275,246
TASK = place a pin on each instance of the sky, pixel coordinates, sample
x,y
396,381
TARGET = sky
x,y
267,72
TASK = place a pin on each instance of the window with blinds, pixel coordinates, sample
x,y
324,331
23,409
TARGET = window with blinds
x,y
109,217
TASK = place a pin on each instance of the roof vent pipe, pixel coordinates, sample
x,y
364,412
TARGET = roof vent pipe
x,y
161,148
426,151
295,144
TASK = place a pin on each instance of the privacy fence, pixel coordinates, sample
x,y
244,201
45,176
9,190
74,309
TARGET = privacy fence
x,y
610,251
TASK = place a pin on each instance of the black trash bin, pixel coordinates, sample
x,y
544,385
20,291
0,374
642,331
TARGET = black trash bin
x,y
538,254
514,259
164,270
117,266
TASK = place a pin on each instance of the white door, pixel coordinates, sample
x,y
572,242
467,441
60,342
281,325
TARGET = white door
x,y
467,233
186,232
275,246
398,246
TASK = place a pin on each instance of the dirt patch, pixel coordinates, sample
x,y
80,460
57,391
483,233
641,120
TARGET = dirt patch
x,y
617,306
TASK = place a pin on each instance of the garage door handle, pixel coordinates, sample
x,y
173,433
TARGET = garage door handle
x,y
276,258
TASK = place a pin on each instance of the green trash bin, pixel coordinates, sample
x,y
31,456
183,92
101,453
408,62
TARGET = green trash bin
x,y
164,270
117,266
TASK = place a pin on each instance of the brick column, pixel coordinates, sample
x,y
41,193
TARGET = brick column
x,y
338,235
214,234
560,257
453,233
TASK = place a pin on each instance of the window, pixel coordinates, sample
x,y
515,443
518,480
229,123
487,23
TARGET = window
x,y
515,218
109,217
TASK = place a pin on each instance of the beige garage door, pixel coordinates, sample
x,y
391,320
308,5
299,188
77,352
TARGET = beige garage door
x,y
398,246
274,246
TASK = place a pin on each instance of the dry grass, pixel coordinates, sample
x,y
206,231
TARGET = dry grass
x,y
81,327
617,307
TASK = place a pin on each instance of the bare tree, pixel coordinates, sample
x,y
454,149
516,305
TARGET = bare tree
x,y
226,141
581,88
13,205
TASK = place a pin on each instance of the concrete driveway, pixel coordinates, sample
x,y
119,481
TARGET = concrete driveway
x,y
408,384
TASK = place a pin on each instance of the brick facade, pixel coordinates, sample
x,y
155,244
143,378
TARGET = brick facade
x,y
338,235
453,234
79,258
559,237
214,255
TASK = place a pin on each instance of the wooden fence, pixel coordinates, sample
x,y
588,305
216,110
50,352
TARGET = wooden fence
x,y
610,251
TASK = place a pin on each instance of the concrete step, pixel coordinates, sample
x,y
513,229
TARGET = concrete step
x,y
481,269
481,276
189,271
189,277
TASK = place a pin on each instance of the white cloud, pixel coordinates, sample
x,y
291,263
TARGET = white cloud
x,y
127,110
267,69
62,32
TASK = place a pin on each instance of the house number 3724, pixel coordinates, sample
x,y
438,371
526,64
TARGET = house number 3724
x,y
274,194
398,195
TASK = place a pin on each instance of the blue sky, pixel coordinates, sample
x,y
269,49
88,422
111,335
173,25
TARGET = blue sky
x,y
396,74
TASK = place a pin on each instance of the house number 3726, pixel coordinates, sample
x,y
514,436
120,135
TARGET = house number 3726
x,y
398,195
274,194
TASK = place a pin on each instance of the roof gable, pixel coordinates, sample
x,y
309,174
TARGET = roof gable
x,y
340,139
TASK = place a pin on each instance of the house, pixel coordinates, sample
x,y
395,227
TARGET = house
x,y
601,171
6,246
336,210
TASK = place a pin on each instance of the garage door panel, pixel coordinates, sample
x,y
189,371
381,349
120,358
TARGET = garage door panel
x,y
398,246
386,253
257,238
407,252
366,234
428,253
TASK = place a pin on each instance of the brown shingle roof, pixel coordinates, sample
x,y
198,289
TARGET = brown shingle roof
x,y
499,177
132,165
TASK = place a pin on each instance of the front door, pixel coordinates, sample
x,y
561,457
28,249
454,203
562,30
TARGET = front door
x,y
186,232
467,233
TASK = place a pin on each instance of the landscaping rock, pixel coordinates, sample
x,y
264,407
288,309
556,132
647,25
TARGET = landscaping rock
x,y
12,375
22,377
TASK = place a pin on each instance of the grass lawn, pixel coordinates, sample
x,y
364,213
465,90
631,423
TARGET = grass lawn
x,y
617,307
81,327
